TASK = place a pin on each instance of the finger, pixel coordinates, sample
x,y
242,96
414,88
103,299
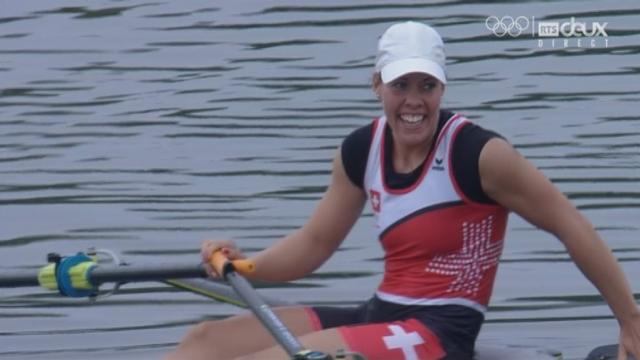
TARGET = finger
x,y
219,261
207,248
205,252
234,253
216,252
207,268
211,272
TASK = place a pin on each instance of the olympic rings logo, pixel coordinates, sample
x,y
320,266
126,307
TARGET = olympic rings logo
x,y
507,25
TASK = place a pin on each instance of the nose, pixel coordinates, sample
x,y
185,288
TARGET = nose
x,y
413,98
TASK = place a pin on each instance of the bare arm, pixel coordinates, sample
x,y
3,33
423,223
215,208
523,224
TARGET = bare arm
x,y
303,251
515,183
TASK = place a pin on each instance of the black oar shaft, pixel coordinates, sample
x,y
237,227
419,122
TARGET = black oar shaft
x,y
19,279
160,272
103,274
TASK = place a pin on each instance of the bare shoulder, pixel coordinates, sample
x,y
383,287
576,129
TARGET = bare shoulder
x,y
501,166
506,175
496,151
515,183
340,180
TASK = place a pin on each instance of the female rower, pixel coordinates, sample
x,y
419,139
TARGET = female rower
x,y
441,189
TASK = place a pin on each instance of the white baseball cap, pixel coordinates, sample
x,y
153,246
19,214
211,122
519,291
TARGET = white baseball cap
x,y
410,47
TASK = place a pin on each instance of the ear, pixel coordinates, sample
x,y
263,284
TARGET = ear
x,y
376,84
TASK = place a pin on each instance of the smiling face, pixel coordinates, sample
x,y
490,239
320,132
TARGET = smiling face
x,y
412,105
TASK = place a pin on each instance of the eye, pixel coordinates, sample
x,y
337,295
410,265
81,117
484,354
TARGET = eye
x,y
430,85
399,84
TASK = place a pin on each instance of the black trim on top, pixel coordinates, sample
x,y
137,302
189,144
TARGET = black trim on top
x,y
465,154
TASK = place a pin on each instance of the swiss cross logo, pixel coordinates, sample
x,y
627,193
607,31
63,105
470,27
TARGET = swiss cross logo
x,y
404,341
375,200
477,255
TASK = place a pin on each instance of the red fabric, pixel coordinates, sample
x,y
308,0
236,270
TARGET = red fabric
x,y
398,340
446,253
316,325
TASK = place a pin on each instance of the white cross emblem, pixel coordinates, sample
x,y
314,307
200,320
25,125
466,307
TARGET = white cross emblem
x,y
478,254
375,200
404,341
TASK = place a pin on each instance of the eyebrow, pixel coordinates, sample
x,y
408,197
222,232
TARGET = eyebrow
x,y
427,78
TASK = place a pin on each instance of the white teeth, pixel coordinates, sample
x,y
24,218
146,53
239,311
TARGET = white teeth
x,y
411,118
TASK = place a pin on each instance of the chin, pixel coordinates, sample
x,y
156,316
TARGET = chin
x,y
413,139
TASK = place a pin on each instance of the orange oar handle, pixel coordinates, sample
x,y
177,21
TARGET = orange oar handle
x,y
220,262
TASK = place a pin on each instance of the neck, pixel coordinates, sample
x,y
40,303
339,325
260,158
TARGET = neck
x,y
407,158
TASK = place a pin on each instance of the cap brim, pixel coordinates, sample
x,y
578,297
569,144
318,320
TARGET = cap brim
x,y
398,68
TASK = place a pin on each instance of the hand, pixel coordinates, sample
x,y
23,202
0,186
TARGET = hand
x,y
630,338
227,247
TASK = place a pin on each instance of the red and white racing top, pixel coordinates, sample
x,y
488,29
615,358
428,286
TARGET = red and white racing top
x,y
440,247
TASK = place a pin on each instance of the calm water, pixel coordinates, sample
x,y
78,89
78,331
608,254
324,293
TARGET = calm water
x,y
145,127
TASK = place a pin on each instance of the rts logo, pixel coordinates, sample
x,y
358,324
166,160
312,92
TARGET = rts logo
x,y
571,28
572,33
